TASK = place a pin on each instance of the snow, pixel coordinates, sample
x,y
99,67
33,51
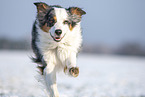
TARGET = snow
x,y
100,76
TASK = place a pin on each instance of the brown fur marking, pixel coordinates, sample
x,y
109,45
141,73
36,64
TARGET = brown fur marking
x,y
70,27
41,69
65,68
41,7
45,28
77,11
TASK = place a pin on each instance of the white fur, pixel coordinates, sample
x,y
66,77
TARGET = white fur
x,y
59,54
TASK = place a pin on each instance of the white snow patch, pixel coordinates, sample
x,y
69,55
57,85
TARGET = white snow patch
x,y
100,76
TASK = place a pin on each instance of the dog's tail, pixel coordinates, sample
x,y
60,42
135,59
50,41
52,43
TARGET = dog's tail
x,y
41,64
36,60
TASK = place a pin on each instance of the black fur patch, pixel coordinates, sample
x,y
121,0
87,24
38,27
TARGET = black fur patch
x,y
47,18
50,18
38,56
33,43
75,15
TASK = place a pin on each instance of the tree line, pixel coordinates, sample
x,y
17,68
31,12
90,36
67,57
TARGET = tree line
x,y
124,49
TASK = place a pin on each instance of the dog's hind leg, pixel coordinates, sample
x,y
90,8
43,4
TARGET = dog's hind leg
x,y
50,78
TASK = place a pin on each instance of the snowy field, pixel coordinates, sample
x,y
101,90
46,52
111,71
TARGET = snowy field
x,y
100,76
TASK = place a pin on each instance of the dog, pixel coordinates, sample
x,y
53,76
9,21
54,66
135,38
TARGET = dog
x,y
56,41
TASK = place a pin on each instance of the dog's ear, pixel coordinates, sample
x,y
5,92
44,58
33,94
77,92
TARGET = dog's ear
x,y
41,7
76,11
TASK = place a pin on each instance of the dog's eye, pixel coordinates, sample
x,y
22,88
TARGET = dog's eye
x,y
66,22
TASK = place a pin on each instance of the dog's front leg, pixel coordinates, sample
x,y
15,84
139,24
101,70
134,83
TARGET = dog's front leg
x,y
70,65
50,78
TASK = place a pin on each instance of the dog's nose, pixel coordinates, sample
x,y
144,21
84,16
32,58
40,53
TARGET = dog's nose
x,y
58,32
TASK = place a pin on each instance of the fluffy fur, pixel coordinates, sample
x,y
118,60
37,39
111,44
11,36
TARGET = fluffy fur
x,y
56,41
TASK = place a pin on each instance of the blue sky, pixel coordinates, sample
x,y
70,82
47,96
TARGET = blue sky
x,y
111,22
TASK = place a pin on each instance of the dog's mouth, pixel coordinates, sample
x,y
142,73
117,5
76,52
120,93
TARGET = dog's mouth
x,y
57,38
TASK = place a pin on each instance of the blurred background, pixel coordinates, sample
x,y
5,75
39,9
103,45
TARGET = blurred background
x,y
109,27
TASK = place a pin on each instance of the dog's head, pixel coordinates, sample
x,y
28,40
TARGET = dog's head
x,y
57,20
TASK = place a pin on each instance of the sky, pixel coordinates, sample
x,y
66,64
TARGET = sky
x,y
111,22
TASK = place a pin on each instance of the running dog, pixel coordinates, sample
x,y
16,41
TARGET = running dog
x,y
56,41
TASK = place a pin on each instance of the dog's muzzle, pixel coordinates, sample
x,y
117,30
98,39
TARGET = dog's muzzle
x,y
58,35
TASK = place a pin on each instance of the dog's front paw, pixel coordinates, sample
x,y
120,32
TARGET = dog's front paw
x,y
74,71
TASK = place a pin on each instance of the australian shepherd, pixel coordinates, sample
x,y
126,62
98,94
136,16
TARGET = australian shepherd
x,y
56,41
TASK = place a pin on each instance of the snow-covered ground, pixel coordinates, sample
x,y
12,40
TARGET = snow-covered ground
x,y
100,76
